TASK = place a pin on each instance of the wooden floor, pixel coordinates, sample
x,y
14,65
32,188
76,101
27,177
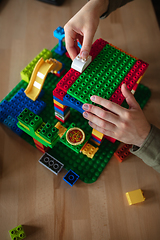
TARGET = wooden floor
x,y
42,202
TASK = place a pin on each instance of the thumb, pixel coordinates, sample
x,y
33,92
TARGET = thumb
x,y
130,99
86,45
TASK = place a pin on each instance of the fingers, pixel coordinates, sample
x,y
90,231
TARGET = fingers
x,y
99,122
102,130
71,45
87,43
129,97
111,106
103,114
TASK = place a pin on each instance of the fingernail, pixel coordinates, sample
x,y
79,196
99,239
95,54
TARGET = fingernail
x,y
84,55
90,123
85,114
93,98
85,107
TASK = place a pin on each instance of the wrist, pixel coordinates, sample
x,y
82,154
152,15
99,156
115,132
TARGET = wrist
x,y
144,136
100,6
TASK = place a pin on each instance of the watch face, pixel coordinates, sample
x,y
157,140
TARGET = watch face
x,y
75,136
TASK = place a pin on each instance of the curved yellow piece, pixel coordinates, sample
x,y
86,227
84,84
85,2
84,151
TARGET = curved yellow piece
x,y
39,75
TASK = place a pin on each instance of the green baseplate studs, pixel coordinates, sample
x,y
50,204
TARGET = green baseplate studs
x,y
88,169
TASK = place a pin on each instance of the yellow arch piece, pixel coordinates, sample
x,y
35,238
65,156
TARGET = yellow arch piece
x,y
39,75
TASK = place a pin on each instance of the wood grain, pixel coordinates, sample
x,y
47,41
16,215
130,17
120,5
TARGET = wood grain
x,y
30,194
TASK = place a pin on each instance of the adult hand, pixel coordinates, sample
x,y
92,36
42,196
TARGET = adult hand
x,y
126,125
83,27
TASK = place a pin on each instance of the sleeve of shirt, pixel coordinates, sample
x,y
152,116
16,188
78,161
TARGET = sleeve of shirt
x,y
113,5
149,152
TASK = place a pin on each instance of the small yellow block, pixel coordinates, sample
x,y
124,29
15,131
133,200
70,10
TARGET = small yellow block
x,y
89,150
135,196
97,133
62,129
59,104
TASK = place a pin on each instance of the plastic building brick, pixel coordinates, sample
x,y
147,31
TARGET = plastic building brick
x,y
62,109
80,64
113,140
62,118
39,75
59,104
122,153
96,141
29,120
40,146
67,55
51,163
78,44
58,101
123,51
78,147
88,169
69,78
72,102
60,72
33,125
102,77
135,196
89,150
9,110
61,129
97,133
97,136
97,46
62,112
9,121
71,177
59,33
27,71
49,132
17,233
58,93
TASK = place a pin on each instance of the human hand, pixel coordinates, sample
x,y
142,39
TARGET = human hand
x,y
126,125
83,27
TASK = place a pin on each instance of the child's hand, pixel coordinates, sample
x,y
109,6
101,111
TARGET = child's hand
x,y
126,125
83,27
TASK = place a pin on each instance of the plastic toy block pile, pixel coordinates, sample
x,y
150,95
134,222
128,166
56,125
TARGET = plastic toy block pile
x,y
52,119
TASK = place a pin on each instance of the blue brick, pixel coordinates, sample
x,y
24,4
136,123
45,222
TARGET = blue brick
x,y
58,100
59,33
73,103
71,177
63,113
95,139
9,111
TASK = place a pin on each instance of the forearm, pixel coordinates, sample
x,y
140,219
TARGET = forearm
x,y
149,152
99,6
110,6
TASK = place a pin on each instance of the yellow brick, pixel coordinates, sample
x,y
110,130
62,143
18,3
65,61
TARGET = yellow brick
x,y
59,104
89,150
97,133
62,129
135,196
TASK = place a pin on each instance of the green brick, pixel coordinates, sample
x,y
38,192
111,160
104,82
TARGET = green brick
x,y
34,124
103,75
27,71
49,132
88,169
30,120
17,233
75,148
